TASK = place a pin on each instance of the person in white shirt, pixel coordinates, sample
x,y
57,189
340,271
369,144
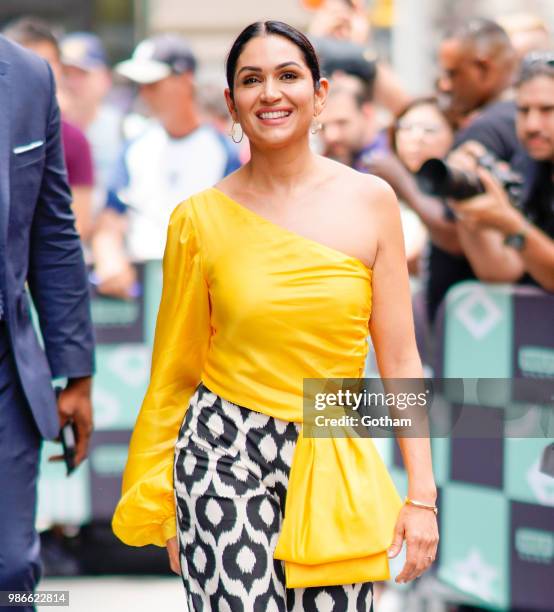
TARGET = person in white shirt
x,y
174,157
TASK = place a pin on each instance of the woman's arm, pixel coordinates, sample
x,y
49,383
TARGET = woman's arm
x,y
145,514
392,332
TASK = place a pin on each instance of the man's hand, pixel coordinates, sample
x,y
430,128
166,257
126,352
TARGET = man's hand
x,y
74,404
173,553
489,210
120,285
466,157
338,20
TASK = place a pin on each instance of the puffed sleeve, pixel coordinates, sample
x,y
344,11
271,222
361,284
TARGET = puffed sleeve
x,y
145,513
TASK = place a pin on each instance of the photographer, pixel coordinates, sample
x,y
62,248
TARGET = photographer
x,y
477,65
501,242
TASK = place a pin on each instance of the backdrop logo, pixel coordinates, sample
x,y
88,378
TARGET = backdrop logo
x,y
535,545
536,361
478,313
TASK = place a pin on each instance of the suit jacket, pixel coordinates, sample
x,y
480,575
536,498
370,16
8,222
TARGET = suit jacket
x,y
39,246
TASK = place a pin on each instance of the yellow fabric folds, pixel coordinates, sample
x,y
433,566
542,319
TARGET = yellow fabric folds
x,y
252,309
340,513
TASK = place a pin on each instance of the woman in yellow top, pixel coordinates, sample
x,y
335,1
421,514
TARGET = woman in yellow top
x,y
274,276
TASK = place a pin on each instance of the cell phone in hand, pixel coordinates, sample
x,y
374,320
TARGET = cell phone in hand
x,y
67,437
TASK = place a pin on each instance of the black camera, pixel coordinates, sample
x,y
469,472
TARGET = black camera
x,y
437,178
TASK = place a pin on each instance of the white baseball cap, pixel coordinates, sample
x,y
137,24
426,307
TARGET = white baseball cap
x,y
156,58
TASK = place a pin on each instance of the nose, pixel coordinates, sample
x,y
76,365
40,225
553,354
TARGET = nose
x,y
444,84
415,133
533,120
270,91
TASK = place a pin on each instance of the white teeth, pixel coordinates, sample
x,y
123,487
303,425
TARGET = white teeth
x,y
274,115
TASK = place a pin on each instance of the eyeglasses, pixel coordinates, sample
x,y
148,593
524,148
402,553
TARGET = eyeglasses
x,y
538,58
536,64
427,129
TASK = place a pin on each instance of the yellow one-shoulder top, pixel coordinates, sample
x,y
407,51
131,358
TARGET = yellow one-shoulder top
x,y
251,309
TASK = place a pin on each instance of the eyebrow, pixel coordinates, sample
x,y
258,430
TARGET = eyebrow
x,y
278,67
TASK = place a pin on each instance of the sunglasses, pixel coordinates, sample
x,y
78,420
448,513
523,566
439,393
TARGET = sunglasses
x,y
538,58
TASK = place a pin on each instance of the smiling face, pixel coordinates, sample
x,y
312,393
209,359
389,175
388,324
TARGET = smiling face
x,y
274,97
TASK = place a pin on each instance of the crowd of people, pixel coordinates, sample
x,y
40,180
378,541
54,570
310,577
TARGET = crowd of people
x,y
129,169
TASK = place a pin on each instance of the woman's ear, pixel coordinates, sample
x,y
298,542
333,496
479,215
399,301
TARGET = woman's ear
x,y
231,105
321,95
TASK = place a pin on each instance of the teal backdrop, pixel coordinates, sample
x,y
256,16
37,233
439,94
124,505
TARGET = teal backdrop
x,y
496,507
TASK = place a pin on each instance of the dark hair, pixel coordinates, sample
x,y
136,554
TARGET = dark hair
x,y
31,30
484,34
360,91
536,64
276,28
415,103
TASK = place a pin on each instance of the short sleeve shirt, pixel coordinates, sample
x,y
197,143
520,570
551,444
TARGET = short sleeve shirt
x,y
495,129
78,157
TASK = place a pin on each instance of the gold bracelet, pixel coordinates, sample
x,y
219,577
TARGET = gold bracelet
x,y
418,504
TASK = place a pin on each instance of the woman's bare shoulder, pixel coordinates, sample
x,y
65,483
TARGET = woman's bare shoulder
x,y
375,190
368,188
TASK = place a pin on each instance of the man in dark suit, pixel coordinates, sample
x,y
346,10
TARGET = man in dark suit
x,y
40,251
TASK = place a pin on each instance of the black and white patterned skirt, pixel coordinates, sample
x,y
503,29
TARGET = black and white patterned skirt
x,y
231,475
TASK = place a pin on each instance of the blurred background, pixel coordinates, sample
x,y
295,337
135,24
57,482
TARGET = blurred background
x,y
392,109
403,30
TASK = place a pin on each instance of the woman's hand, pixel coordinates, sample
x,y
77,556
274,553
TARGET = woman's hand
x,y
418,526
173,552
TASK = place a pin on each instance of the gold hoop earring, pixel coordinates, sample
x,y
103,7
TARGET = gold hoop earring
x,y
232,133
315,127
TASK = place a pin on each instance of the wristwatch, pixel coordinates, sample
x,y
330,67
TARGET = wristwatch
x,y
516,241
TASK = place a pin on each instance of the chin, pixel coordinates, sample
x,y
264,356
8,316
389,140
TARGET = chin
x,y
413,164
274,141
541,154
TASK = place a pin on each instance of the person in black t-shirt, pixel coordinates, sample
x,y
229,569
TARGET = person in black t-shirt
x,y
477,63
501,242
